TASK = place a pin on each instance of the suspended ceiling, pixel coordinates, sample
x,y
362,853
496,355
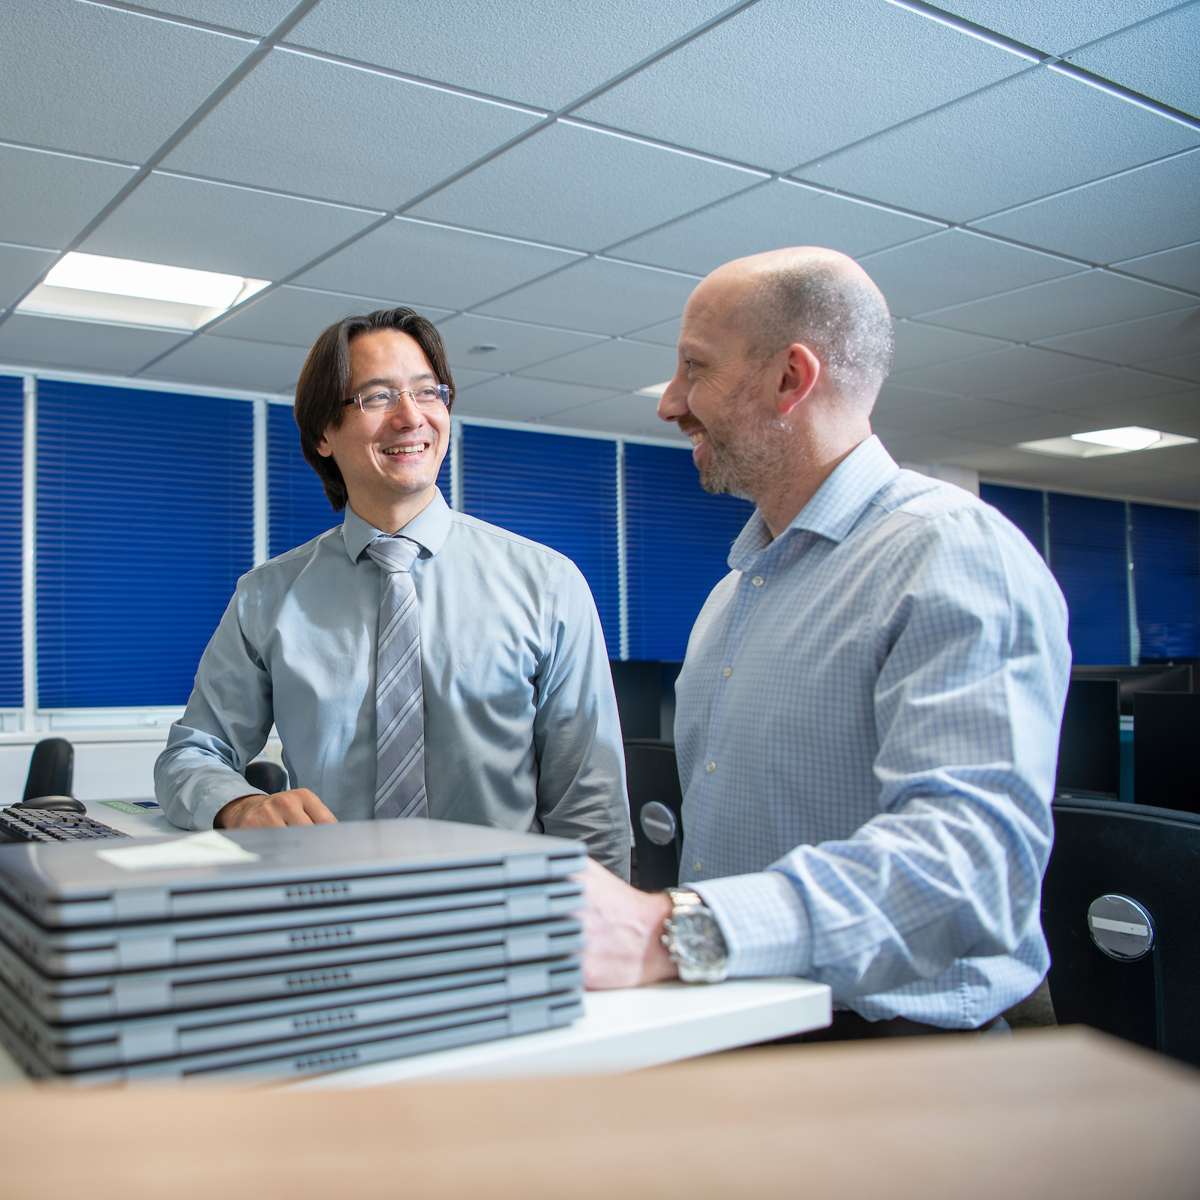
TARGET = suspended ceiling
x,y
551,179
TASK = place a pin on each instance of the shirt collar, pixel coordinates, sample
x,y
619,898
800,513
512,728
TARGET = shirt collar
x,y
429,529
835,508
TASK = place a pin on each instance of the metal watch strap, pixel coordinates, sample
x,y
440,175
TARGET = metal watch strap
x,y
687,906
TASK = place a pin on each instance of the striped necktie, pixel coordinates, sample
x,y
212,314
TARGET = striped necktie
x,y
399,697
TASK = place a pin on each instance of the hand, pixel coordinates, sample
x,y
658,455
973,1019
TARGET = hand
x,y
622,931
296,807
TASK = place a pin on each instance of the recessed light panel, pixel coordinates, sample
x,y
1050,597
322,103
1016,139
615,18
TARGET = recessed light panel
x,y
1100,442
122,291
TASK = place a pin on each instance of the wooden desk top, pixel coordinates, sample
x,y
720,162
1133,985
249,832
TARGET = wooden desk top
x,y
1060,1113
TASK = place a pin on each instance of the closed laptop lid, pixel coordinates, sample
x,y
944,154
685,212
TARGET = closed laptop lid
x,y
140,879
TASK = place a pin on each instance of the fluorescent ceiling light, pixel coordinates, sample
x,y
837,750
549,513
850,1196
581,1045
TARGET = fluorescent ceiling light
x,y
655,389
122,291
1101,442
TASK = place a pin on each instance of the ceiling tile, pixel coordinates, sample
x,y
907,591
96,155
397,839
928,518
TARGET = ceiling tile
x,y
1157,59
1088,392
1163,336
1179,267
665,333
954,266
48,198
1182,366
100,81
981,375
217,227
920,345
777,214
916,446
430,264
629,414
592,188
517,344
285,127
1061,306
1055,28
540,52
599,296
251,16
1028,427
1171,414
46,341
896,398
1025,138
1140,211
617,365
19,268
944,415
868,65
227,362
292,316
508,398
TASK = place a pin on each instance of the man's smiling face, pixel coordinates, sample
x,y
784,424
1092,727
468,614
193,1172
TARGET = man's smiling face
x,y
389,460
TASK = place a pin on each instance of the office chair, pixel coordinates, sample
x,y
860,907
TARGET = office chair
x,y
51,769
267,776
1119,910
655,807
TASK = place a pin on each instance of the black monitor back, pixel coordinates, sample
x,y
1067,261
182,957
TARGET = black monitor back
x,y
1151,856
1158,677
1089,746
1166,751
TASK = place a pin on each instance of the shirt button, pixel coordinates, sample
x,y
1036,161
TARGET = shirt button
x,y
710,767
697,866
758,581
727,671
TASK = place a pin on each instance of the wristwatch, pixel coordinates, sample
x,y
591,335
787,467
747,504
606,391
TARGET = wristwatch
x,y
694,939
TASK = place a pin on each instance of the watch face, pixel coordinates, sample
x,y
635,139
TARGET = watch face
x,y
698,940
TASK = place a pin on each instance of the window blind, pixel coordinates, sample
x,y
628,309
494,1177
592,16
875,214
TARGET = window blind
x,y
558,490
1022,506
144,523
677,540
1166,578
12,440
1088,558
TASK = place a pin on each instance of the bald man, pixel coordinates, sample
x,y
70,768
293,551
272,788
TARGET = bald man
x,y
867,717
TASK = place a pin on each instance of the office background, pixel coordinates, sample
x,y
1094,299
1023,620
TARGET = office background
x,y
548,181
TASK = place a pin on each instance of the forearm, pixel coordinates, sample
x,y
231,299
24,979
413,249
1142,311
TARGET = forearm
x,y
195,777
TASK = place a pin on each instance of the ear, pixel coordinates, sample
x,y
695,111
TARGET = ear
x,y
324,449
801,370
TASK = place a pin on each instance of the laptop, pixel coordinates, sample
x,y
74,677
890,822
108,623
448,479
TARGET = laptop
x,y
252,1027
319,1053
104,997
294,867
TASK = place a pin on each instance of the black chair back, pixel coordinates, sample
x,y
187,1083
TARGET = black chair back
x,y
51,769
656,809
267,776
1119,910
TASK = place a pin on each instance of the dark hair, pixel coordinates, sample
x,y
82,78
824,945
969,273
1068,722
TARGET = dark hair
x,y
842,318
325,376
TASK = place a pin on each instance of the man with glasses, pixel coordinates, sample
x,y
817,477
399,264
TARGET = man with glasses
x,y
415,661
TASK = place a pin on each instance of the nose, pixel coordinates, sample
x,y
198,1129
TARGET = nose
x,y
406,413
672,404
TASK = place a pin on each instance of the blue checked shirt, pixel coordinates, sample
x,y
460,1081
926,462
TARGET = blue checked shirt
x,y
867,732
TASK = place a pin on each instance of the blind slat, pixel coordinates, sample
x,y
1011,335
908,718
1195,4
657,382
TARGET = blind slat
x,y
1166,578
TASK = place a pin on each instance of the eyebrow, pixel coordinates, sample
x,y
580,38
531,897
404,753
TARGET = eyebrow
x,y
388,381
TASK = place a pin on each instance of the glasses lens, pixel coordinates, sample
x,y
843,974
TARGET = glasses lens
x,y
379,401
431,395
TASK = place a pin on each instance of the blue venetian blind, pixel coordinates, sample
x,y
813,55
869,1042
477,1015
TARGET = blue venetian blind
x,y
1166,579
560,491
1021,506
12,425
144,523
297,506
677,540
1087,556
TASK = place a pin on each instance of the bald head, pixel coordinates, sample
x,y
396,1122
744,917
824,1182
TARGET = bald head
x,y
820,298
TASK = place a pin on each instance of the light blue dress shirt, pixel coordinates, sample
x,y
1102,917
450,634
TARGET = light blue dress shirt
x,y
867,732
521,725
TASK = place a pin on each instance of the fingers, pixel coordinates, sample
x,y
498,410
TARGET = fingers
x,y
299,806
314,808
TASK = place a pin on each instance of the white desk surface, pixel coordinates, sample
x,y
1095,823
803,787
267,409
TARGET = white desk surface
x,y
620,1031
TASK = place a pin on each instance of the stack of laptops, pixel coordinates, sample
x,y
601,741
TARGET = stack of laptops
x,y
281,953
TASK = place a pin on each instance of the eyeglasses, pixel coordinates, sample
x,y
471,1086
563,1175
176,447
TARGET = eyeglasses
x,y
386,400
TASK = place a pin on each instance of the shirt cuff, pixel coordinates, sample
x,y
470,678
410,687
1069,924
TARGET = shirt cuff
x,y
764,922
